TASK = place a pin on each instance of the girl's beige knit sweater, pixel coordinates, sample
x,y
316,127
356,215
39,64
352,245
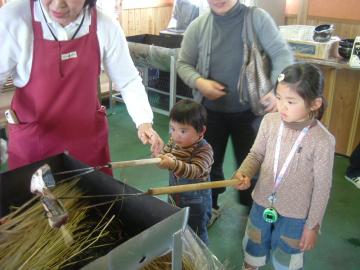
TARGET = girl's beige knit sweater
x,y
305,189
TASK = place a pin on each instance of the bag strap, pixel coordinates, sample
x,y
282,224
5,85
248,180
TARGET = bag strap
x,y
249,28
244,30
247,46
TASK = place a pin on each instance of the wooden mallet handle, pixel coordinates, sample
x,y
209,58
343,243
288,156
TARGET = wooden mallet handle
x,y
134,163
192,187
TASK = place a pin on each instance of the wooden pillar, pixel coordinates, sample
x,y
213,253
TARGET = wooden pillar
x,y
303,12
118,8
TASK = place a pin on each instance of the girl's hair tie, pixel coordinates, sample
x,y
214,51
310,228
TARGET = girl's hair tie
x,y
281,77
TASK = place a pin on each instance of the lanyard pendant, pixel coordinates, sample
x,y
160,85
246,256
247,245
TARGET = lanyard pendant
x,y
270,215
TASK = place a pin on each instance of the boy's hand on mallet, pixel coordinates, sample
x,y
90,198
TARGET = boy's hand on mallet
x,y
245,181
168,161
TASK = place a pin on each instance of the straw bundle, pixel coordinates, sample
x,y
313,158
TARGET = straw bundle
x,y
164,263
28,242
196,256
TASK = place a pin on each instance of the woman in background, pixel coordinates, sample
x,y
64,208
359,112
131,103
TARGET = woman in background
x,y
210,61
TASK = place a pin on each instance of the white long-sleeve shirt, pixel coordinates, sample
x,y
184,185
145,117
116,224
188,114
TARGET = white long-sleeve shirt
x,y
16,51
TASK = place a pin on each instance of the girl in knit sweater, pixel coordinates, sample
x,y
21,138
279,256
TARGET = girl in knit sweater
x,y
294,153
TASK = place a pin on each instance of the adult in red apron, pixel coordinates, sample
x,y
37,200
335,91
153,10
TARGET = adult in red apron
x,y
58,110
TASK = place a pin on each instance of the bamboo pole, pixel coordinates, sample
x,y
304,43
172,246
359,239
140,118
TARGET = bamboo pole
x,y
192,187
134,163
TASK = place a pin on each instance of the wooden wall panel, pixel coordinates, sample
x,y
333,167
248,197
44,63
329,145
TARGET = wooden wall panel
x,y
340,9
131,4
290,19
292,7
343,29
343,14
145,20
343,108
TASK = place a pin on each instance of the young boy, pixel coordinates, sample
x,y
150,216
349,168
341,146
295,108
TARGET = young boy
x,y
188,157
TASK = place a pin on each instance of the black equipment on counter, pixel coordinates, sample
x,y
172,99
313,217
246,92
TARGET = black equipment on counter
x,y
322,32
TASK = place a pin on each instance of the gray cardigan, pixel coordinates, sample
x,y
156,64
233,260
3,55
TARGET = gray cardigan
x,y
194,56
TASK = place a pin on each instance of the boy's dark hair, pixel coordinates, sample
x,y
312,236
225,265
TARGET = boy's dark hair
x,y
189,112
308,81
91,3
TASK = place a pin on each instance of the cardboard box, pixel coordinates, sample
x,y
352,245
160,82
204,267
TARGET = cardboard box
x,y
299,37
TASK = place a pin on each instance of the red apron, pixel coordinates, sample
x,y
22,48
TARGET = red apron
x,y
59,110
